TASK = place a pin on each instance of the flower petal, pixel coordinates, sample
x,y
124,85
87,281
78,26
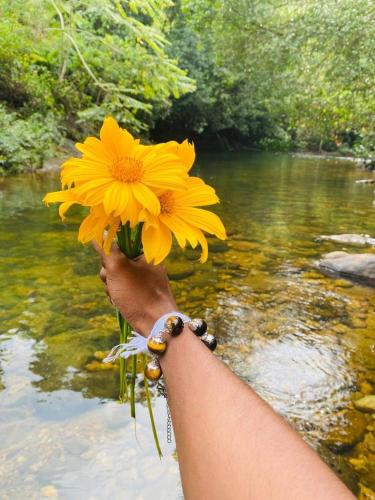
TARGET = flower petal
x,y
94,150
178,227
146,197
64,207
186,151
117,142
110,237
203,219
115,197
157,243
197,194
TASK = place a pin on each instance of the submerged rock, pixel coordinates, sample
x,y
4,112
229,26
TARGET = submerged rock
x,y
312,275
353,266
349,239
359,464
365,493
341,283
49,491
365,388
366,404
219,247
244,246
345,436
100,355
178,270
96,366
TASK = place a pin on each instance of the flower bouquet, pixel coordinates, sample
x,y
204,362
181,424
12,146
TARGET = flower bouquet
x,y
141,195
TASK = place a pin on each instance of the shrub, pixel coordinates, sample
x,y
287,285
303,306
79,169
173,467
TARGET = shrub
x,y
26,142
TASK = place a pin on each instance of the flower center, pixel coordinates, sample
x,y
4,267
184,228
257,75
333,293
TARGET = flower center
x,y
127,169
166,203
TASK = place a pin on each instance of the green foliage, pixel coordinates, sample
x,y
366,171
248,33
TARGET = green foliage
x,y
261,66
25,143
80,60
277,75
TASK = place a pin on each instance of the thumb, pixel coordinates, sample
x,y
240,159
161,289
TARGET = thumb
x,y
114,251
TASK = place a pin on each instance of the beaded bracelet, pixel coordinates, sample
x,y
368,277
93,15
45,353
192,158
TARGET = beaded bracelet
x,y
156,344
173,326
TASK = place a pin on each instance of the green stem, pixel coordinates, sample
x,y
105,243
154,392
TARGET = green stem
x,y
124,243
128,240
137,240
132,386
130,243
123,240
150,412
123,393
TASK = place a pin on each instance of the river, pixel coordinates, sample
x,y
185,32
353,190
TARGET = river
x,y
305,342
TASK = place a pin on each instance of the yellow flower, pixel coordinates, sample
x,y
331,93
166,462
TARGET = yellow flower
x,y
123,181
180,216
121,174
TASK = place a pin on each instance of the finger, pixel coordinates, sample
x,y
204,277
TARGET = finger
x,y
103,275
105,258
139,258
98,248
109,297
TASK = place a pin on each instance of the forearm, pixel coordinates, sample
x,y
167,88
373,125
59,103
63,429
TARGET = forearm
x,y
230,443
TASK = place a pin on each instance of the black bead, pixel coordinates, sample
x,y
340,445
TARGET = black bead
x,y
174,325
210,342
199,326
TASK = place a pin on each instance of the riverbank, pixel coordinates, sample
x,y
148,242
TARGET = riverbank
x,y
55,162
365,163
61,152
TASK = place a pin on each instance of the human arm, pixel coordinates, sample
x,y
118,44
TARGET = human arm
x,y
230,444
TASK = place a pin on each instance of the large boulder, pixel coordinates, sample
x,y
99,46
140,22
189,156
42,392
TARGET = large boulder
x,y
350,239
358,267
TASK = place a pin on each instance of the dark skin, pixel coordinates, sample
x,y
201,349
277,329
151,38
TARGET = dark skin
x,y
231,445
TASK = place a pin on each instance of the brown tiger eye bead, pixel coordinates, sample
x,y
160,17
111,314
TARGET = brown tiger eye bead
x,y
174,325
198,326
157,345
153,371
210,341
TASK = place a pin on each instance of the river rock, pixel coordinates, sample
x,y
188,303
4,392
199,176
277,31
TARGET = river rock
x,y
244,246
343,437
350,239
49,491
218,247
366,404
366,163
179,270
365,388
95,366
100,355
353,266
365,493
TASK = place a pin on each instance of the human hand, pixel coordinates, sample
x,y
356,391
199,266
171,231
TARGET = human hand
x,y
140,291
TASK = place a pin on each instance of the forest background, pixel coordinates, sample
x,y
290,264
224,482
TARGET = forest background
x,y
255,74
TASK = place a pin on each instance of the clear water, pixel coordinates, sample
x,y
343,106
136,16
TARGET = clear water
x,y
305,342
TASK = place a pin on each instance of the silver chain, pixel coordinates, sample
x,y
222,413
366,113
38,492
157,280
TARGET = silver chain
x,y
162,391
